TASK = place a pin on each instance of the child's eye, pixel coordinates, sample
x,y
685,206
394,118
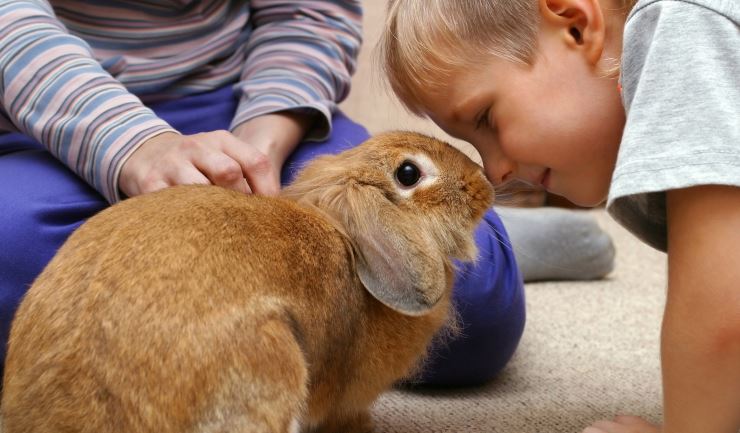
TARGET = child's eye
x,y
482,120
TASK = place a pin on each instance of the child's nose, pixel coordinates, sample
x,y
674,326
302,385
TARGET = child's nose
x,y
500,171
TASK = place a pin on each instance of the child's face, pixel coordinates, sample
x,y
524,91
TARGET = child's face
x,y
556,123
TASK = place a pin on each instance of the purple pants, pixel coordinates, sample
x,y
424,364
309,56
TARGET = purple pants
x,y
42,202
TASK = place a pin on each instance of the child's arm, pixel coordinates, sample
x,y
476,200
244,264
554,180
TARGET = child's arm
x,y
700,343
701,327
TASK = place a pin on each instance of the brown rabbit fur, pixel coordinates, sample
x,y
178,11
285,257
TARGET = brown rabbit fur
x,y
198,309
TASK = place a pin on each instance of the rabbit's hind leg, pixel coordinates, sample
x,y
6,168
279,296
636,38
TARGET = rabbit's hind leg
x,y
358,423
263,389
239,424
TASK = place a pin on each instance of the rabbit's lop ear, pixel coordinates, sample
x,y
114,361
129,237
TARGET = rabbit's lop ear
x,y
396,263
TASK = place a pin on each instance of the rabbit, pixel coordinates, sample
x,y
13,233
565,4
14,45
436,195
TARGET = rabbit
x,y
198,309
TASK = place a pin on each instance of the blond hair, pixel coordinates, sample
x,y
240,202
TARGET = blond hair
x,y
425,41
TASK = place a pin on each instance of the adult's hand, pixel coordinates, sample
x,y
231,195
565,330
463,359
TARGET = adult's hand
x,y
276,136
216,157
247,161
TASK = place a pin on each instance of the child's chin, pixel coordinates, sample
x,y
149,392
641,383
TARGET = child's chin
x,y
591,203
587,200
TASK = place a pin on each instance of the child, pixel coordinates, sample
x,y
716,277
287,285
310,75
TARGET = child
x,y
535,86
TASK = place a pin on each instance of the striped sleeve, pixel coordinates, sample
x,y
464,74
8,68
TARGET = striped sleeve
x,y
52,89
300,55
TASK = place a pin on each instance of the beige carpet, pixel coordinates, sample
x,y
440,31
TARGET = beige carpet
x,y
589,351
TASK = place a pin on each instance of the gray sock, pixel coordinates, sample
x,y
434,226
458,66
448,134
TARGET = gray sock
x,y
557,244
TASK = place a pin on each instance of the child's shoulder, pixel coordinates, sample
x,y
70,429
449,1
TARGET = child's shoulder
x,y
730,9
670,39
679,72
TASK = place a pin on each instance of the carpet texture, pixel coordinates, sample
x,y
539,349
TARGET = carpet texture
x,y
590,350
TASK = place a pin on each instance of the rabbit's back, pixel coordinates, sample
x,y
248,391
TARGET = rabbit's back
x,y
155,304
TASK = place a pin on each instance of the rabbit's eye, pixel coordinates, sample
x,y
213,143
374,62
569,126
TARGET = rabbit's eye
x,y
408,174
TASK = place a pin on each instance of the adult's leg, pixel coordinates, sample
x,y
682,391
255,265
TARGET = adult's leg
x,y
42,203
552,243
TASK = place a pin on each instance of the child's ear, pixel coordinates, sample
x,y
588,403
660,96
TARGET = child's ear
x,y
580,23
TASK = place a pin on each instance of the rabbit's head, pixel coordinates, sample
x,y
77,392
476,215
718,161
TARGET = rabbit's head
x,y
407,204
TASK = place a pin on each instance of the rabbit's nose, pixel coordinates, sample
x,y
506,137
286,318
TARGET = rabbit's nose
x,y
478,188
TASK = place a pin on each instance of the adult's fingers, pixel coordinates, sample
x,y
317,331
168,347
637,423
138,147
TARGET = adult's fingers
x,y
220,169
187,174
261,174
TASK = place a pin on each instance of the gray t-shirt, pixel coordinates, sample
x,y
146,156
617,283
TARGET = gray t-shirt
x,y
681,90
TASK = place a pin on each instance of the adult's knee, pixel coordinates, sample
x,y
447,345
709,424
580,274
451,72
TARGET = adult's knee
x,y
480,349
489,303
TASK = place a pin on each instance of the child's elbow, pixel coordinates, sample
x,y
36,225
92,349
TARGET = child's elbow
x,y
726,336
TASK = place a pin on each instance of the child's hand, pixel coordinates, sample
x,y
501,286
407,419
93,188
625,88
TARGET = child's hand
x,y
217,158
623,424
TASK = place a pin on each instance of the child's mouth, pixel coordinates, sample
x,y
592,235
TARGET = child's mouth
x,y
545,179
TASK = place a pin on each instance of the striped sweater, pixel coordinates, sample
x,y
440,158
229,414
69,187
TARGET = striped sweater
x,y
74,73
